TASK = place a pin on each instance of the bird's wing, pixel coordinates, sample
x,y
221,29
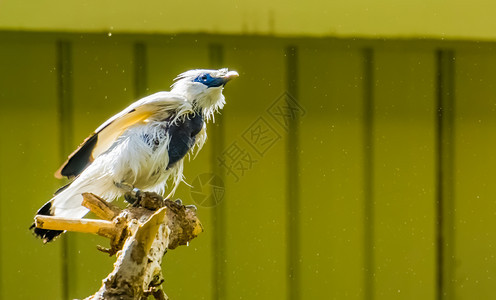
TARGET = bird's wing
x,y
162,104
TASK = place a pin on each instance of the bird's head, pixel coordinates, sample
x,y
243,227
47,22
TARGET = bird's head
x,y
204,88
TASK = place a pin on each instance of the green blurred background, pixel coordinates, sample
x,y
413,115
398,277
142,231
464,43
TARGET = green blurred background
x,y
354,158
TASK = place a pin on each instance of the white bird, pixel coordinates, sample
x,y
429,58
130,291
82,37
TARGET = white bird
x,y
143,146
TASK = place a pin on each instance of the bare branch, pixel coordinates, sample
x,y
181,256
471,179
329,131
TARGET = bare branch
x,y
100,227
140,236
100,207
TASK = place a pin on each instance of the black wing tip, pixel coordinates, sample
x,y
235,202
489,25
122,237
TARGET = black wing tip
x,y
46,235
81,159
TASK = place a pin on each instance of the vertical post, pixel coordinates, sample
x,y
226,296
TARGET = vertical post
x,y
445,174
216,133
140,70
293,184
368,134
64,93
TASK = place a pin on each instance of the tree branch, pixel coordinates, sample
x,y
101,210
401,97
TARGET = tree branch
x,y
139,235
100,227
102,209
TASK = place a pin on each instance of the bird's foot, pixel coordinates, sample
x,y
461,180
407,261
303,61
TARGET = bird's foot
x,y
124,186
192,207
132,195
180,202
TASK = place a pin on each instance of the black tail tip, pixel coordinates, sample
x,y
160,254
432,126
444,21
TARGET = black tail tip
x,y
46,235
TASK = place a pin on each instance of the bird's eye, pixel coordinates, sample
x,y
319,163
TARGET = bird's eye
x,y
207,80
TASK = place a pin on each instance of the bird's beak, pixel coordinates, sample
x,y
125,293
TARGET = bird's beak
x,y
230,75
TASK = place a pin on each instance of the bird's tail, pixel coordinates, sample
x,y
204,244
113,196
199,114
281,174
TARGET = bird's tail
x,y
45,234
66,204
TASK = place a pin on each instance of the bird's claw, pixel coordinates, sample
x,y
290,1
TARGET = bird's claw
x,y
133,197
180,202
192,207
124,186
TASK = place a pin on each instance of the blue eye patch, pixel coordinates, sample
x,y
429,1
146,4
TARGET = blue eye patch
x,y
209,81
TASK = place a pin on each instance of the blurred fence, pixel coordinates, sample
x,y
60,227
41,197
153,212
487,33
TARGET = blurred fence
x,y
339,169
